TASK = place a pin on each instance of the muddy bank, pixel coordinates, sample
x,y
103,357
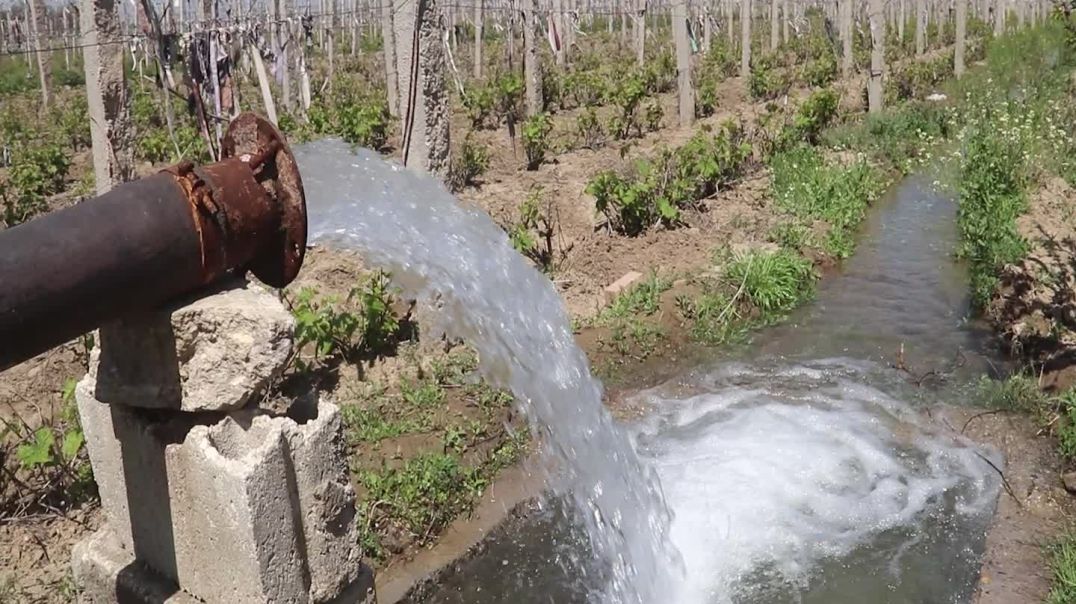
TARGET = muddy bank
x,y
1034,307
1032,511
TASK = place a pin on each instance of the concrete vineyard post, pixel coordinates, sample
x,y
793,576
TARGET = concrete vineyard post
x,y
478,8
920,27
37,22
388,42
774,31
877,28
961,35
106,93
845,9
532,68
640,32
685,92
420,59
745,38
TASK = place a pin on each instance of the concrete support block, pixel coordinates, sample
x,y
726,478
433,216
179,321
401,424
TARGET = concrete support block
x,y
106,573
244,508
213,354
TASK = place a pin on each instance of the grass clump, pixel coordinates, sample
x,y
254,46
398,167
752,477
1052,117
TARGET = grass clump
x,y
1019,392
754,289
632,332
774,282
642,299
808,186
1062,556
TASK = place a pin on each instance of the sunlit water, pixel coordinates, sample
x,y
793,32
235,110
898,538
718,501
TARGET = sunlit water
x,y
784,478
458,261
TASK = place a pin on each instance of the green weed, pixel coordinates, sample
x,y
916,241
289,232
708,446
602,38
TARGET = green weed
x,y
809,187
469,162
330,327
1062,556
536,139
644,298
533,234
1019,392
774,282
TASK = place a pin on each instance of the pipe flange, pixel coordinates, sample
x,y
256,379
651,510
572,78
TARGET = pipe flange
x,y
255,141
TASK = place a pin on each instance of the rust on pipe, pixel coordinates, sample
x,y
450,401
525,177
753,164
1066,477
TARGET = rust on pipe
x,y
151,240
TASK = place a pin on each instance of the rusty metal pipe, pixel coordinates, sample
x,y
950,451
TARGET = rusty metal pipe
x,y
151,240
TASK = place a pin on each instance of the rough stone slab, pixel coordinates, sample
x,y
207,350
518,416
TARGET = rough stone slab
x,y
215,353
621,285
244,508
107,573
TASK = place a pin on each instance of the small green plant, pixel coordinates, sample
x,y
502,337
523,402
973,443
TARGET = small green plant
x,y
536,139
48,463
627,94
643,298
380,327
533,235
329,327
35,174
422,395
318,321
653,115
469,162
420,497
767,80
364,123
821,71
590,131
811,118
508,91
992,180
480,102
706,98
1062,554
790,235
654,192
775,282
1019,392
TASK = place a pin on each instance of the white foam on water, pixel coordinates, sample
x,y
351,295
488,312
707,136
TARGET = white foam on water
x,y
785,467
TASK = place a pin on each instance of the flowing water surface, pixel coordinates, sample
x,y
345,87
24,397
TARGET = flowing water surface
x,y
800,471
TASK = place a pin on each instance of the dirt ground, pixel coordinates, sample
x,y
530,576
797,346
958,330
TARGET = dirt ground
x,y
1033,507
588,258
1034,309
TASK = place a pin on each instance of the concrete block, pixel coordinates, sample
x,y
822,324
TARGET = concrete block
x,y
621,285
240,508
106,573
215,353
326,500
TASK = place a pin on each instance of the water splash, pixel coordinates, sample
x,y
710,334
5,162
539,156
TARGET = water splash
x,y
457,260
775,470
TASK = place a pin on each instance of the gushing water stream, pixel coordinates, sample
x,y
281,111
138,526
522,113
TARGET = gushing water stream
x,y
796,475
457,260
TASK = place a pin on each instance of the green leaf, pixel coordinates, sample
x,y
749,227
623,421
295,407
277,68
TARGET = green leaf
x,y
39,452
68,392
72,444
